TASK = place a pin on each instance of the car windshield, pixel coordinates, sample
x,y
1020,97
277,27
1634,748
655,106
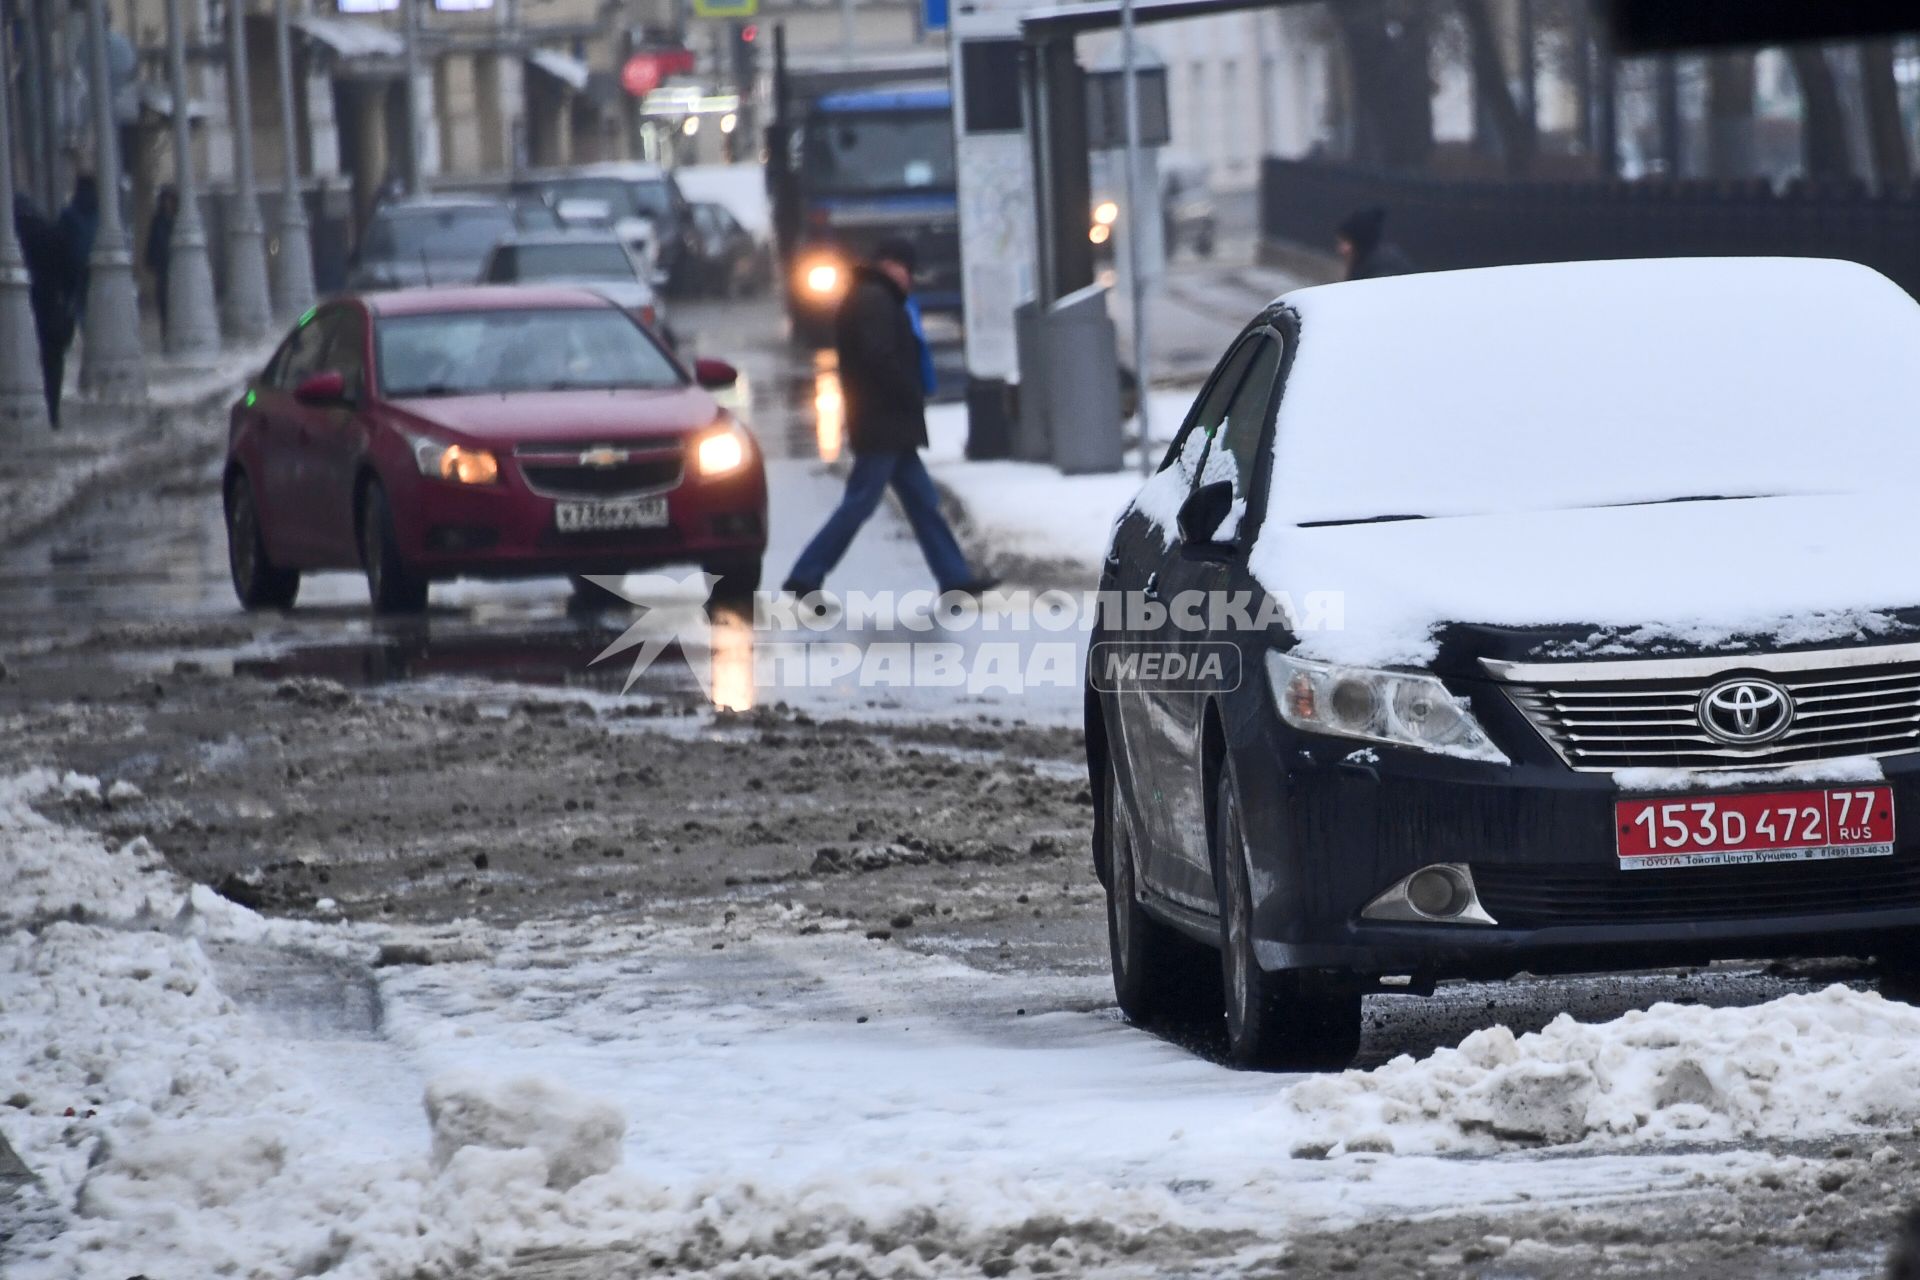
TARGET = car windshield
x,y
482,352
592,260
465,233
624,197
856,153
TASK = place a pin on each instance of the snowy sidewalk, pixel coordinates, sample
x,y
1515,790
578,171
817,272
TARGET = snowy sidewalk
x,y
45,472
1026,515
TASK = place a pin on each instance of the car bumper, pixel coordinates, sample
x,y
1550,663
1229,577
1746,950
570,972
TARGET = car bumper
x,y
508,530
1328,833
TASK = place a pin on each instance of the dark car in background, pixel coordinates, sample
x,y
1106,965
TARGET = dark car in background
x,y
439,239
1594,643
730,263
493,432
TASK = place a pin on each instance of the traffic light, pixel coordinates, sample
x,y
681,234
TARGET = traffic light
x,y
746,55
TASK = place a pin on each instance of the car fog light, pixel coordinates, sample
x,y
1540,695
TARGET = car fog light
x,y
1436,891
1442,893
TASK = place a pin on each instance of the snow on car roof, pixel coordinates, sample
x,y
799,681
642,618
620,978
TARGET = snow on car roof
x,y
1583,384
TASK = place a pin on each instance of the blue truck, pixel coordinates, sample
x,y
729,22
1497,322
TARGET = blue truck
x,y
857,155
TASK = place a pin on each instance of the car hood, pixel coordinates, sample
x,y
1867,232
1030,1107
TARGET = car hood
x,y
1677,577
533,416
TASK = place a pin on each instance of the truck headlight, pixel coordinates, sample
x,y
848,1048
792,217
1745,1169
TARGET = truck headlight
x,y
823,279
1392,707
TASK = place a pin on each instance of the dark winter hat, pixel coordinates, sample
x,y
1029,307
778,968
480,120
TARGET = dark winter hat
x,y
1363,228
895,249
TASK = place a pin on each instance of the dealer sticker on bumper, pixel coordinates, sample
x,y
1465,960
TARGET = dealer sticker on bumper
x,y
1779,826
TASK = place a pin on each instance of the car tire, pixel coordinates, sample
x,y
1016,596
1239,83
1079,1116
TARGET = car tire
x,y
1286,1020
393,587
258,582
1899,977
1151,963
736,580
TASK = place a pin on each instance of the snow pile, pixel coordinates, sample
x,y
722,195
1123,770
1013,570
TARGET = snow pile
x,y
51,870
577,1137
1800,1066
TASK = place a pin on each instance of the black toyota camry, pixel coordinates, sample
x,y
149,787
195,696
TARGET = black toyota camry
x,y
1542,618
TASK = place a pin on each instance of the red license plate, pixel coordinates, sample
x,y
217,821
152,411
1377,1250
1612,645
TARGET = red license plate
x,y
1777,826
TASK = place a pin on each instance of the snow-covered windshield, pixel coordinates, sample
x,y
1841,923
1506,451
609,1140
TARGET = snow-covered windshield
x,y
475,352
1599,384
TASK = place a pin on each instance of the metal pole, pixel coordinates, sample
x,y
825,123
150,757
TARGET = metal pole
x,y
247,313
22,403
293,265
193,328
1133,218
112,364
410,100
33,103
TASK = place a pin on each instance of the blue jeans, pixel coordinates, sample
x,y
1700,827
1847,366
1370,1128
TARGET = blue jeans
x,y
867,484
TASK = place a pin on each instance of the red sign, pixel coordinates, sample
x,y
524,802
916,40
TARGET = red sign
x,y
646,71
1779,826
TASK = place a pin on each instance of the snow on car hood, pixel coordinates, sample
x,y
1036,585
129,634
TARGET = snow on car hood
x,y
1521,410
1799,569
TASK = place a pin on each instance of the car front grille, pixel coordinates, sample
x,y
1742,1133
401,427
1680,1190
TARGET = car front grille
x,y
1652,721
1562,894
562,472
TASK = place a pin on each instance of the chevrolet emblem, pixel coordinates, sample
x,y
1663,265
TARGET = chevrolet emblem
x,y
603,457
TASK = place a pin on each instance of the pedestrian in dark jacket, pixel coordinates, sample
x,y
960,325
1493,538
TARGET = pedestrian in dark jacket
x,y
159,254
885,372
80,225
1364,248
52,278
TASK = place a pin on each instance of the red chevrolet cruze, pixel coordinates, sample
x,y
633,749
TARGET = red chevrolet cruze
x,y
496,432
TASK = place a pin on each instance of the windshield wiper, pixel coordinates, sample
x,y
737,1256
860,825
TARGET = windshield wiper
x,y
1333,524
432,389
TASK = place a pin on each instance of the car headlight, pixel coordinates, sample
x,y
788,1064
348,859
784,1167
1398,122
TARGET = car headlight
x,y
1106,213
454,463
823,279
719,450
1393,707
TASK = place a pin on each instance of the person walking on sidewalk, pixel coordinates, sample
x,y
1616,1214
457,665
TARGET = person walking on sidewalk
x,y
886,373
53,278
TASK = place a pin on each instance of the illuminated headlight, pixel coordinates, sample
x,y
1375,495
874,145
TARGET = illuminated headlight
x,y
1106,213
719,451
1393,707
455,463
823,279
1099,232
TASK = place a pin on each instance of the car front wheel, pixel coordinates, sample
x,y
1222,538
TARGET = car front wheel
x,y
1286,1020
392,586
258,582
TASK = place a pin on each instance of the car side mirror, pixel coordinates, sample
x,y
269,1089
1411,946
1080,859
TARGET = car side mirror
x,y
328,386
1204,511
714,374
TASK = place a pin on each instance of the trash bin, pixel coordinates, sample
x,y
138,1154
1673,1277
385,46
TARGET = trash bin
x,y
1032,441
1083,384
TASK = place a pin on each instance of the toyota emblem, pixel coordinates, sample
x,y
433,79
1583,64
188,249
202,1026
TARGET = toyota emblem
x,y
1744,712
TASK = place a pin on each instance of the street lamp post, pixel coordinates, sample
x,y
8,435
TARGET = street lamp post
x,y
193,328
1135,222
293,265
247,313
21,402
410,100
112,364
